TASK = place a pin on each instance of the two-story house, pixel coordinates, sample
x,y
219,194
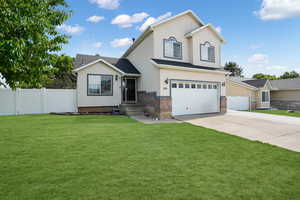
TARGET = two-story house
x,y
173,68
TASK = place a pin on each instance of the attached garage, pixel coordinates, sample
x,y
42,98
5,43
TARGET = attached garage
x,y
238,102
195,97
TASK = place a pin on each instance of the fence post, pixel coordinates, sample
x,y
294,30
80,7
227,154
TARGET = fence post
x,y
17,101
44,100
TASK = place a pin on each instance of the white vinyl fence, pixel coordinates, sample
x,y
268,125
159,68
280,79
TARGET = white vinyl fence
x,y
35,101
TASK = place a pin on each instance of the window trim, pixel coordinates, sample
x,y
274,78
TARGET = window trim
x,y
97,95
211,61
268,92
164,48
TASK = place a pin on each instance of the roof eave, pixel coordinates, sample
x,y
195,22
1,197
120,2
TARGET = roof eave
x,y
96,61
163,66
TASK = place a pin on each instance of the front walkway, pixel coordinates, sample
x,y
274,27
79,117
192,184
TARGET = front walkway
x,y
277,130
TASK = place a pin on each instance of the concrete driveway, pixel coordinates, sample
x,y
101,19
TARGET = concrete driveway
x,y
277,130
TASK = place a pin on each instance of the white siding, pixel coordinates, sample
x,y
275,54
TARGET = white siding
x,y
88,101
176,28
140,58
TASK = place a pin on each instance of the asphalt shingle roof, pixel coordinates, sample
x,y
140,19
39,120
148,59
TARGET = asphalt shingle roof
x,y
184,64
286,84
256,83
122,64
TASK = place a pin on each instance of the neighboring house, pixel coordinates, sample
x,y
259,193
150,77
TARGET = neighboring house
x,y
263,94
285,94
173,68
245,94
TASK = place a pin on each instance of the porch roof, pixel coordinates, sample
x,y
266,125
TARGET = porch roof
x,y
122,64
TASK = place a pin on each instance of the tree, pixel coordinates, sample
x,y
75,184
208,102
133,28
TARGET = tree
x,y
234,68
292,74
63,78
29,39
264,76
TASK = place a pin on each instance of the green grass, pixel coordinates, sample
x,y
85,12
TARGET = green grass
x,y
278,112
115,157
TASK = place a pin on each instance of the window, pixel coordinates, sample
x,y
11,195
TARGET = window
x,y
193,86
199,86
204,86
174,85
215,87
100,85
180,85
207,52
209,86
187,85
172,48
265,96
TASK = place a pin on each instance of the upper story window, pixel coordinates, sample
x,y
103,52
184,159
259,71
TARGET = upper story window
x,y
207,52
172,48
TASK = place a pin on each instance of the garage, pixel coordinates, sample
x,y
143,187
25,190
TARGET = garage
x,y
238,102
195,97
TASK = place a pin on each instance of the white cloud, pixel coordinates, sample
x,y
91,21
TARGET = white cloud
x,y
71,29
219,29
258,59
278,67
125,21
152,20
95,19
279,9
255,46
123,42
98,44
107,4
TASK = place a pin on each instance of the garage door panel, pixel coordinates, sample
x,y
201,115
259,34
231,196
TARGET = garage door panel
x,y
238,102
195,101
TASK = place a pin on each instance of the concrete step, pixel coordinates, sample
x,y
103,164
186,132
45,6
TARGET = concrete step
x,y
134,113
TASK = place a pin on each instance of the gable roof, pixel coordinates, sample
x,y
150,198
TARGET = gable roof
x,y
211,27
240,82
190,12
185,65
286,84
259,83
122,65
151,27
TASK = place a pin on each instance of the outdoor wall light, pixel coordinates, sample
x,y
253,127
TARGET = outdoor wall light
x,y
166,81
116,77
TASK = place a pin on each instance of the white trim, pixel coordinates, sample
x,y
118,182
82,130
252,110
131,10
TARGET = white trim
x,y
150,29
179,15
261,94
243,85
190,34
96,61
161,66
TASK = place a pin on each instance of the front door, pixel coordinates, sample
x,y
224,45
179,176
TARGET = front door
x,y
129,90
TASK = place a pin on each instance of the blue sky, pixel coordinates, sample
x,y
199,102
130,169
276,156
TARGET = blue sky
x,y
262,35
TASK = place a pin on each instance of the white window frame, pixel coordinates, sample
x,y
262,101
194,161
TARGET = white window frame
x,y
100,75
208,47
170,53
268,92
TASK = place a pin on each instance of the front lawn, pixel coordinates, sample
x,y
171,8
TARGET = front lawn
x,y
115,157
278,112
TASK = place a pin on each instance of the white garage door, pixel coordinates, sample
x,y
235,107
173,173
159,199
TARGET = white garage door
x,y
191,97
238,103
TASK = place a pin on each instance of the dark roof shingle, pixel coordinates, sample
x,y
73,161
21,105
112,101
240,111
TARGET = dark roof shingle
x,y
286,84
256,83
122,64
184,64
